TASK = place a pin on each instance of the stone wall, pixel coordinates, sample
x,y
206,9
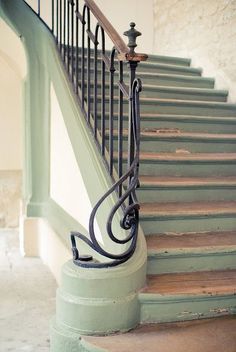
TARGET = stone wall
x,y
10,195
204,30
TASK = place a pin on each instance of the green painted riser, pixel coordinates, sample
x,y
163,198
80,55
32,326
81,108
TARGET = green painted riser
x,y
158,68
155,225
166,79
191,261
161,59
169,60
171,144
187,194
171,94
177,80
159,168
188,108
190,124
180,108
177,308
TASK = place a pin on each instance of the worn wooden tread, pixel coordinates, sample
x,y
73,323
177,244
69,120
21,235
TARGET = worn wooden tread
x,y
171,117
187,118
204,335
175,67
177,134
179,102
175,181
188,157
188,208
196,283
185,90
180,241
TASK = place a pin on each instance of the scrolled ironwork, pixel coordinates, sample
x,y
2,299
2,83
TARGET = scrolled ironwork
x,y
130,220
106,103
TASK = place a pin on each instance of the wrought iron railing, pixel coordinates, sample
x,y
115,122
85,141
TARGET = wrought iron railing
x,y
98,79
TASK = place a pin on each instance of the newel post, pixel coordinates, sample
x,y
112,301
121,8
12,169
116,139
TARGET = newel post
x,y
133,59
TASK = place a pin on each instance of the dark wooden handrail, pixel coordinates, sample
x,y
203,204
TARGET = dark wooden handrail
x,y
108,28
122,48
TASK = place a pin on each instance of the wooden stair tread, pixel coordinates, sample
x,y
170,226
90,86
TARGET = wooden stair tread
x,y
188,208
164,242
186,89
206,335
180,102
196,283
186,181
186,156
177,134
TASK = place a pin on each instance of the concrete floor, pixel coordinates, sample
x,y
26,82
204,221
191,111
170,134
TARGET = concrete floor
x,y
27,298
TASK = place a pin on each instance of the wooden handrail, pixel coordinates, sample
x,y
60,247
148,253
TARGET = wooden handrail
x,y
108,28
123,50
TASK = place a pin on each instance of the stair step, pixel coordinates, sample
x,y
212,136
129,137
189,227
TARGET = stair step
x,y
187,107
170,189
168,68
182,164
207,335
194,209
164,140
188,216
198,283
156,67
189,123
184,123
165,79
187,296
179,107
182,93
170,60
187,252
174,60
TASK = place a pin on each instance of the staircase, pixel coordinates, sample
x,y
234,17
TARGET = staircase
x,y
187,193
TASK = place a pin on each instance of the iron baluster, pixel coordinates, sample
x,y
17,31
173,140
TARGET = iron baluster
x,y
77,48
82,61
64,31
111,111
88,67
68,36
95,89
39,8
103,96
72,39
120,128
60,25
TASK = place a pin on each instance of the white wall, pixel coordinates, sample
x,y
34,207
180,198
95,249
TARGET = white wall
x,y
204,30
12,71
67,187
121,13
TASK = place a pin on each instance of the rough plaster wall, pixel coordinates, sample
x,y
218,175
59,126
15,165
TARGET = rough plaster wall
x,y
10,195
204,30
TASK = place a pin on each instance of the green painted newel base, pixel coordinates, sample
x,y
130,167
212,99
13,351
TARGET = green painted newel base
x,y
97,301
